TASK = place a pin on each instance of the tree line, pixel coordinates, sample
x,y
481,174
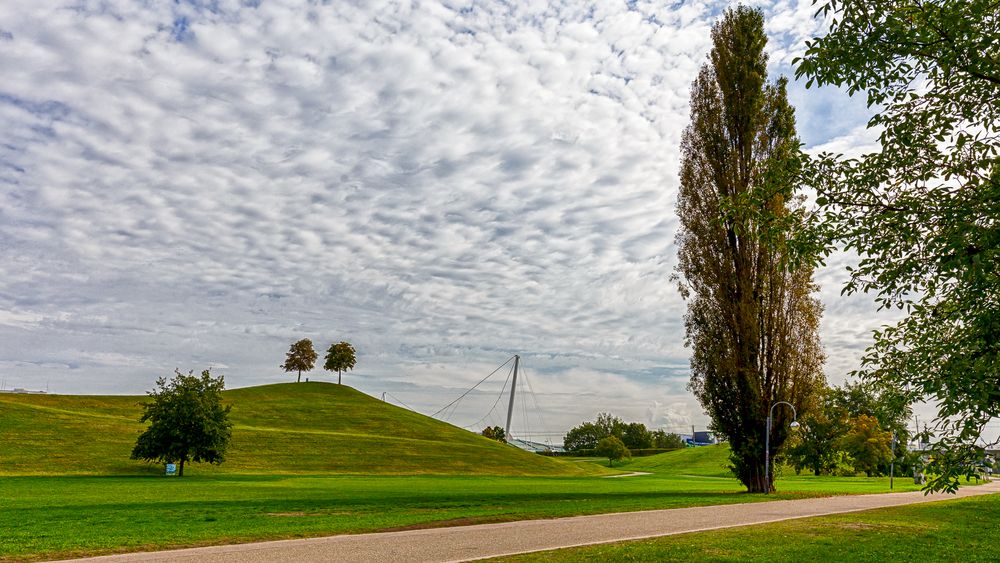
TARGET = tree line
x,y
855,428
632,435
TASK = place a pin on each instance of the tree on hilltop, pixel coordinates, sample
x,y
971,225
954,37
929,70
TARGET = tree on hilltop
x,y
340,357
301,357
187,421
751,321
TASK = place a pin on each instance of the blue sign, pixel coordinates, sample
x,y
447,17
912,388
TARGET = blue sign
x,y
171,469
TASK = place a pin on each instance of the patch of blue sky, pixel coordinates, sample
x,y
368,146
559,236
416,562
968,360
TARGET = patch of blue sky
x,y
826,113
180,31
52,109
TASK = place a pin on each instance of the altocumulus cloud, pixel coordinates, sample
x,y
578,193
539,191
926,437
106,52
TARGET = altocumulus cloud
x,y
442,183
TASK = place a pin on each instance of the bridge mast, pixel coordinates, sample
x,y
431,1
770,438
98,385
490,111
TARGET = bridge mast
x,y
510,406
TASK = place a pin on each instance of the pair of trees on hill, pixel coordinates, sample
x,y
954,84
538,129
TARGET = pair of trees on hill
x,y
188,421
633,435
340,357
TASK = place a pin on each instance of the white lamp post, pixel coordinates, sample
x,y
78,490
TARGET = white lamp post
x,y
767,443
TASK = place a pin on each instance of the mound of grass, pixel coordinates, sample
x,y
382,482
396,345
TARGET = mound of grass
x,y
704,461
288,428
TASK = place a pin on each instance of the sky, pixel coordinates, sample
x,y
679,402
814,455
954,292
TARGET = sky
x,y
444,184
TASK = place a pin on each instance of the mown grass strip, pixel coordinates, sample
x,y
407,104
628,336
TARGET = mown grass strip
x,y
954,530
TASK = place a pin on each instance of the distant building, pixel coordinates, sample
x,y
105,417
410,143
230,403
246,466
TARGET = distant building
x,y
704,438
19,391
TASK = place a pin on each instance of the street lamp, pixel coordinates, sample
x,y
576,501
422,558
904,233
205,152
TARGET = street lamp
x,y
767,442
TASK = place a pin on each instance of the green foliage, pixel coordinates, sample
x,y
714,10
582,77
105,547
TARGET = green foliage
x,y
816,446
828,439
751,321
868,445
495,433
635,435
340,357
586,436
923,212
301,357
187,421
613,449
667,440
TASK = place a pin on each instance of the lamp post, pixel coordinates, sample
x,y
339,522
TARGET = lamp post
x,y
767,443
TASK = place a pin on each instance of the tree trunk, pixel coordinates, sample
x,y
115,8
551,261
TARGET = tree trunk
x,y
338,377
754,479
180,472
299,380
757,484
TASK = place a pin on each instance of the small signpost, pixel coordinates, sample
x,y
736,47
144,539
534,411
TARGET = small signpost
x,y
171,469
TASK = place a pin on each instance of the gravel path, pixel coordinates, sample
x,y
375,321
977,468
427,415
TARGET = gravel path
x,y
493,540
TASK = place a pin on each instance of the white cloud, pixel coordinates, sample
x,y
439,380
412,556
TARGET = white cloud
x,y
441,183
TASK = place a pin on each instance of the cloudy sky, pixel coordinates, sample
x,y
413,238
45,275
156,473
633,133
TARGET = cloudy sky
x,y
443,183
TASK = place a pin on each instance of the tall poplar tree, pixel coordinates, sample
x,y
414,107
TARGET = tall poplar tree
x,y
751,320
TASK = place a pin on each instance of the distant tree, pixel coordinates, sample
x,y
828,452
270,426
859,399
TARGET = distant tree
x,y
583,437
495,433
187,421
751,321
667,440
817,444
890,407
610,425
868,444
339,358
923,209
301,357
613,449
587,435
635,435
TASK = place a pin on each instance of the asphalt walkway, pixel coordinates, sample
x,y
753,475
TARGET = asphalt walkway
x,y
493,540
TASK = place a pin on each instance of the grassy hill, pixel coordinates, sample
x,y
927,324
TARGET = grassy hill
x,y
287,428
704,461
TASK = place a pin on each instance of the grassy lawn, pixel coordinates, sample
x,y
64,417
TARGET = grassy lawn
x,y
313,459
955,530
46,516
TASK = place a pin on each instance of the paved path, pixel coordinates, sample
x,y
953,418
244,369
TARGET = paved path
x,y
493,540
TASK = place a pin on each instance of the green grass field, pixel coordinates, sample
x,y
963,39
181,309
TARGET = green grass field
x,y
309,460
959,530
61,516
288,428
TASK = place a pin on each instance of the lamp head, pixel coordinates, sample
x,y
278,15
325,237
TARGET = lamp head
x,y
794,424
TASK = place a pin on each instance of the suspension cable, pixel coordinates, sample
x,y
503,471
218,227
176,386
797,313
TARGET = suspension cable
x,y
495,403
473,387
